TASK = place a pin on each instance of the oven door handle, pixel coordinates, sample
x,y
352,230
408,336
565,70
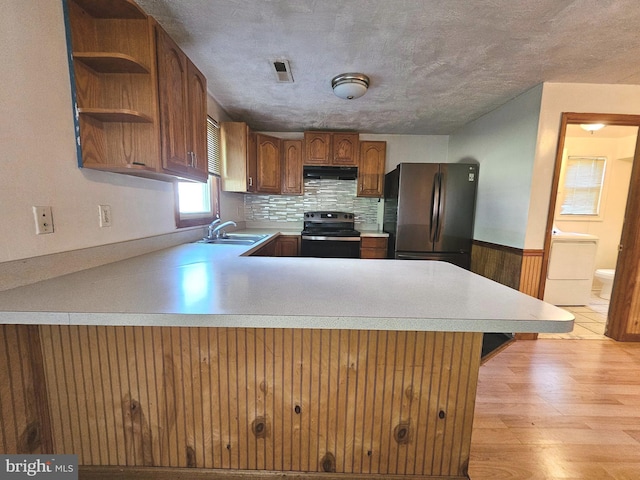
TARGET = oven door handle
x,y
331,239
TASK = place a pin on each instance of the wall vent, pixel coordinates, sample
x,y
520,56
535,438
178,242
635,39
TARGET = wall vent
x,y
283,71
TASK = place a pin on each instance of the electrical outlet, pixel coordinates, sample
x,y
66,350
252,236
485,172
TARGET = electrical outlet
x,y
105,215
44,220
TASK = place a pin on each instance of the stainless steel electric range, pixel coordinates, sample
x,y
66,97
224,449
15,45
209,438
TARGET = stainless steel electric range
x,y
330,235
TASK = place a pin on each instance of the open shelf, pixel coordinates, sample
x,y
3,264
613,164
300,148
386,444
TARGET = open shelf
x,y
115,115
112,9
110,62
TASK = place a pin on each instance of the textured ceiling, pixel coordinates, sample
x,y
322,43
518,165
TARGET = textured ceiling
x,y
434,65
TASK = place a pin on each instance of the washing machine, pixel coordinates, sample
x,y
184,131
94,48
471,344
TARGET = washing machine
x,y
570,270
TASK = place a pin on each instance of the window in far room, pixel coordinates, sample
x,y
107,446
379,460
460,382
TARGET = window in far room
x,y
198,203
582,186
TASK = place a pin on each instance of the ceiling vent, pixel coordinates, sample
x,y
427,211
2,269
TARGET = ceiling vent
x,y
283,71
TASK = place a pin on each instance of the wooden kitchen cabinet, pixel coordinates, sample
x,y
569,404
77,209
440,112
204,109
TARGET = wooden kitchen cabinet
x,y
335,149
135,115
238,147
288,246
182,91
373,247
345,149
281,246
292,167
317,148
268,169
114,75
266,250
371,168
250,161
197,124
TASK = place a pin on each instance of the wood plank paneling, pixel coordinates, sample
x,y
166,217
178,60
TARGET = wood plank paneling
x,y
497,262
515,268
25,425
530,273
287,400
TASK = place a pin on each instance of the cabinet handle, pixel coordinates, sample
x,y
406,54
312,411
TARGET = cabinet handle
x,y
251,181
191,155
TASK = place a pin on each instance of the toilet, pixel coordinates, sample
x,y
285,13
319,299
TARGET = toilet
x,y
605,275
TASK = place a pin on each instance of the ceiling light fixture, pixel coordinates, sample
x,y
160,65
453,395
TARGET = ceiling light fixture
x,y
350,85
592,127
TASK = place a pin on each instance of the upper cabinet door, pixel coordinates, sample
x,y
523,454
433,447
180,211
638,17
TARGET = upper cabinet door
x,y
268,164
317,147
197,125
234,149
292,167
172,74
346,148
371,169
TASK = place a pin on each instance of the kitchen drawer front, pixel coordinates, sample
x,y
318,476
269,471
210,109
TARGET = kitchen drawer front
x,y
373,247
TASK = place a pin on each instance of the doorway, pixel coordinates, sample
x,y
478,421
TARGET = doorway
x,y
614,149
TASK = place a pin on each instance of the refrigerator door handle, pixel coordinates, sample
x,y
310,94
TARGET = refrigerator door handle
x,y
440,208
435,202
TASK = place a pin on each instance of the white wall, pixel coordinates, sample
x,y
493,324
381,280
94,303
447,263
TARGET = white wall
x,y
39,165
556,99
412,148
504,143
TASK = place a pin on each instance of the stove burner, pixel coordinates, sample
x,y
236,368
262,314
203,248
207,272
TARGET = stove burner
x,y
330,234
330,224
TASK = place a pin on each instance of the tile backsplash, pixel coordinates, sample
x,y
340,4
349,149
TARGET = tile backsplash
x,y
323,194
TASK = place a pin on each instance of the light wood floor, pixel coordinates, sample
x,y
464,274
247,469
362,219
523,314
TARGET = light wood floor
x,y
558,409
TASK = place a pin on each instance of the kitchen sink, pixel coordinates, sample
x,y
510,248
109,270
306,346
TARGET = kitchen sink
x,y
235,239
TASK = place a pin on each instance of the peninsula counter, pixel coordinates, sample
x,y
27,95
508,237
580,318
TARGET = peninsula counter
x,y
199,356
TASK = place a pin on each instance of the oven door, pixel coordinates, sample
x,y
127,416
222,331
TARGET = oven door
x,y
330,247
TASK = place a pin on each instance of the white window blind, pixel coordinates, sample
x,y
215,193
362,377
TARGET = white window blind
x,y
583,182
194,197
213,146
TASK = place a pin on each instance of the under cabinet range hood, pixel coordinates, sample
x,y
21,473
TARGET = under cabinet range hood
x,y
334,173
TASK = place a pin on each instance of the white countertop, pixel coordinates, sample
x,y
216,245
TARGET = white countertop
x,y
213,285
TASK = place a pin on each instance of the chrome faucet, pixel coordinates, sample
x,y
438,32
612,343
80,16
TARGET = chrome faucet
x,y
211,226
216,232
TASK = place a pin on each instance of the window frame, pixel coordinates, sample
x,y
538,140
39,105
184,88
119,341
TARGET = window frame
x,y
564,191
213,183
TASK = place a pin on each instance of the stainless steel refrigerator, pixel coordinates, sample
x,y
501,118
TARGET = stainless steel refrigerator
x,y
429,210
